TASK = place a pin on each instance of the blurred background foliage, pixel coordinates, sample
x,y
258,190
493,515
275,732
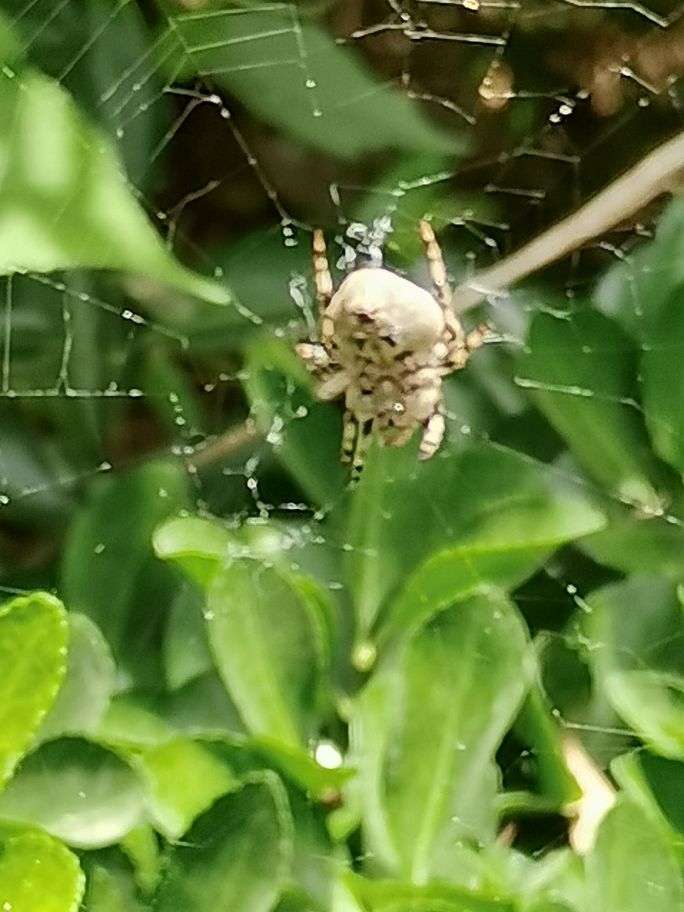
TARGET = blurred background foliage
x,y
228,681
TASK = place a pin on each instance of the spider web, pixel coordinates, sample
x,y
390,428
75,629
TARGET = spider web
x,y
547,102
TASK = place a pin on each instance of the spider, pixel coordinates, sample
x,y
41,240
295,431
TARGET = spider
x,y
385,343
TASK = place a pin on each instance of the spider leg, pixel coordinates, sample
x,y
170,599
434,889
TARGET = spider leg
x,y
433,435
363,442
322,277
349,430
436,267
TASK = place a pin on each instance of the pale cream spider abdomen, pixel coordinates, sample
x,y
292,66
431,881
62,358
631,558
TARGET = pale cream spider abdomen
x,y
385,344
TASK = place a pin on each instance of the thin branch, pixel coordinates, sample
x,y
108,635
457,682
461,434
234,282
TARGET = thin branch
x,y
225,445
653,175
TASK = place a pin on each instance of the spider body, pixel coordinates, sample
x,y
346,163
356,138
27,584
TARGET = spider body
x,y
385,344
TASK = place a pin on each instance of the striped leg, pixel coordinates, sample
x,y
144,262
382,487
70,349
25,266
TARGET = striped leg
x,y
349,433
433,435
363,442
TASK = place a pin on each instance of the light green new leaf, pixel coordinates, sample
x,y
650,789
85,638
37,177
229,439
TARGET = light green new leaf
x,y
481,516
33,659
633,866
198,546
38,874
293,74
581,370
77,791
89,684
635,628
65,200
270,648
236,856
393,896
425,731
164,767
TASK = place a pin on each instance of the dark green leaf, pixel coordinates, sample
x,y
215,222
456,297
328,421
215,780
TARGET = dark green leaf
x,y
289,71
236,855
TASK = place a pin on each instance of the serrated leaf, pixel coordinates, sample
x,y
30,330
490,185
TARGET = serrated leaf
x,y
633,866
288,71
38,874
65,200
235,856
77,791
33,657
635,628
425,729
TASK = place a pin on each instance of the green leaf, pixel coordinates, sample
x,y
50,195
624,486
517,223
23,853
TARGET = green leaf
x,y
77,791
639,544
305,434
390,896
65,200
38,874
109,571
425,730
655,783
33,658
236,855
89,684
633,866
581,370
289,71
186,651
269,648
181,761
635,630
198,546
490,513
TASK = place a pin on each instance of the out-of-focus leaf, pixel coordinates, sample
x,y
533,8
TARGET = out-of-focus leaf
x,y
490,512
391,896
109,571
109,891
77,791
88,686
656,783
304,433
635,628
638,544
198,546
633,866
236,855
581,370
425,729
38,874
65,201
270,649
183,779
33,659
186,651
298,90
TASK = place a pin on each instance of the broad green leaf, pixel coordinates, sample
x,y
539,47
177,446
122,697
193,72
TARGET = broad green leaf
x,y
110,891
581,370
33,658
109,571
270,649
88,686
635,630
65,200
186,651
638,544
38,874
392,896
290,72
182,779
655,783
425,730
77,791
235,856
305,434
633,867
491,514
